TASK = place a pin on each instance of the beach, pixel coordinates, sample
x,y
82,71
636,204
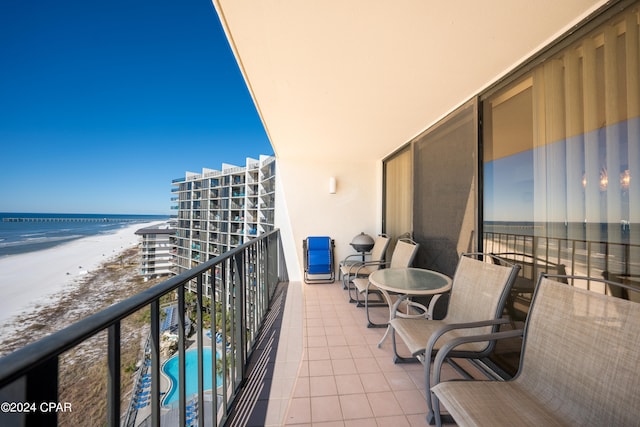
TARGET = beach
x,y
37,279
103,270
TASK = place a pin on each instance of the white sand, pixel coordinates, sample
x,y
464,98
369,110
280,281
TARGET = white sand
x,y
33,278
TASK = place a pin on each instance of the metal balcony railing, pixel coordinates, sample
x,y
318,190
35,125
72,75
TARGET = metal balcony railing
x,y
578,256
248,275
611,260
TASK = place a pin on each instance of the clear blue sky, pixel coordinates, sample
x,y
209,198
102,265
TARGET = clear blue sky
x,y
103,103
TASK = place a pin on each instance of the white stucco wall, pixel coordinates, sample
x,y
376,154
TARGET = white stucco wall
x,y
305,208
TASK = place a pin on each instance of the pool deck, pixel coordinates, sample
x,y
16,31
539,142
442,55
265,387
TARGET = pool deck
x,y
170,416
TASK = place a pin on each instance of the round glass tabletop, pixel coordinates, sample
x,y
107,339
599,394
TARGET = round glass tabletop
x,y
415,281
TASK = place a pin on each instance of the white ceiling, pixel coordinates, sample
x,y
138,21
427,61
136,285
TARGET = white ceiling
x,y
334,79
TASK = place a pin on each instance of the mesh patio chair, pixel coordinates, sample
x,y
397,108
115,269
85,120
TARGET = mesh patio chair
x,y
517,305
351,268
481,286
578,363
403,255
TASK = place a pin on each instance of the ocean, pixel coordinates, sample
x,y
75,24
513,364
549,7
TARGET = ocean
x,y
28,232
614,233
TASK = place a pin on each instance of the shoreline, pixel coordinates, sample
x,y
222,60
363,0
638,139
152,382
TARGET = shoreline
x,y
34,280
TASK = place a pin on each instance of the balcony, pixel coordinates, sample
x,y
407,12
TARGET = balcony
x,y
307,356
307,347
327,367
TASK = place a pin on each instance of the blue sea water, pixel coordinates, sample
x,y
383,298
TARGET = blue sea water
x,y
36,231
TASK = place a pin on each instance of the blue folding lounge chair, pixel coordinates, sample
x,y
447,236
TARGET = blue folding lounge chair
x,y
318,260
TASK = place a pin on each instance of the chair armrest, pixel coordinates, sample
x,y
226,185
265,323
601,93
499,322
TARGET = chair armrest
x,y
450,345
443,330
353,256
364,264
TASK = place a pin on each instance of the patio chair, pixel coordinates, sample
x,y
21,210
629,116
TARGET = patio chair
x,y
403,255
350,267
578,363
519,300
318,259
480,288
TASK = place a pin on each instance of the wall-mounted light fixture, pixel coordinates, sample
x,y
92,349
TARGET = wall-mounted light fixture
x,y
332,185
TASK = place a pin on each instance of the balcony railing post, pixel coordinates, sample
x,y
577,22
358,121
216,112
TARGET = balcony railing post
x,y
181,359
240,311
113,396
42,389
200,350
155,363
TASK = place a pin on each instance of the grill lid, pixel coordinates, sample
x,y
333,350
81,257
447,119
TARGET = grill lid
x,y
362,242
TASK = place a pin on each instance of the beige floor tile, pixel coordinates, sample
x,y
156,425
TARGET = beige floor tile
x,y
395,421
322,386
384,404
325,408
411,402
367,365
299,411
349,384
301,388
314,322
399,380
360,351
304,369
361,422
318,353
331,322
317,341
314,331
336,340
355,406
320,368
340,352
333,330
375,382
329,424
343,366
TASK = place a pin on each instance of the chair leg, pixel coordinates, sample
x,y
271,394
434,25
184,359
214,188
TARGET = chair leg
x,y
396,357
371,324
361,302
434,416
430,400
352,287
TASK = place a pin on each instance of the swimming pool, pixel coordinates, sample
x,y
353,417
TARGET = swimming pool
x,y
170,368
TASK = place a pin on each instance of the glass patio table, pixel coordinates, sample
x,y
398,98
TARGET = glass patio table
x,y
408,282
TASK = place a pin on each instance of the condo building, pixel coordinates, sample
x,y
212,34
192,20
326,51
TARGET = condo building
x,y
157,250
219,210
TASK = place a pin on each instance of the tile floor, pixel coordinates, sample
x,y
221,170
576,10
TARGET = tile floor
x,y
336,374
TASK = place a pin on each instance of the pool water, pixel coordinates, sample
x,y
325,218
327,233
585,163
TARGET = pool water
x,y
170,368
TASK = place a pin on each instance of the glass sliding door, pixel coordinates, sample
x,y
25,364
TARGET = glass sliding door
x,y
444,208
398,195
561,161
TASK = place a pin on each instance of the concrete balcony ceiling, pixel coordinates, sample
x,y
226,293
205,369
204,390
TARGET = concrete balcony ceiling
x,y
359,78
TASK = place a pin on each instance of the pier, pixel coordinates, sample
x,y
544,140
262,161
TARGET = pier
x,y
63,219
